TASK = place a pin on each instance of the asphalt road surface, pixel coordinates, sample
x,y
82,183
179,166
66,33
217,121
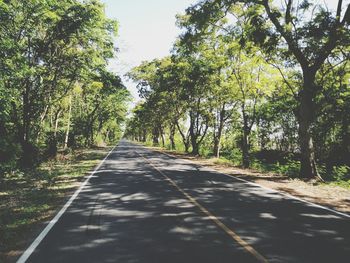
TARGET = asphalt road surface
x,y
144,206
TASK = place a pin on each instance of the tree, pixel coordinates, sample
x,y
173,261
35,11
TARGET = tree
x,y
151,87
47,50
296,34
214,50
195,90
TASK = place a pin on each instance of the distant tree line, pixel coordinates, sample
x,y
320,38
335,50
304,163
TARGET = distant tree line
x,y
262,80
55,88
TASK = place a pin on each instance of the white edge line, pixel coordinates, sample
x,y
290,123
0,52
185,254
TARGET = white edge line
x,y
263,187
27,253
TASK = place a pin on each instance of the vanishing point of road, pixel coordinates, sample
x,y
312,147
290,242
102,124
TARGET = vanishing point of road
x,y
144,206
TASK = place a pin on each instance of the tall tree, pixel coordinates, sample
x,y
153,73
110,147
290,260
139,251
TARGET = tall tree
x,y
47,48
303,33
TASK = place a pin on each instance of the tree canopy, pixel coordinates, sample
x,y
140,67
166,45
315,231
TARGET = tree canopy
x,y
254,75
55,87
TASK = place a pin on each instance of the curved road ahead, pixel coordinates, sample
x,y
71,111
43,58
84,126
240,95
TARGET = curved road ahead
x,y
144,206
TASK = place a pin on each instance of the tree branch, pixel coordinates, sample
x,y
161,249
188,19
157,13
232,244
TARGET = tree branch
x,y
293,46
340,2
346,18
288,18
284,79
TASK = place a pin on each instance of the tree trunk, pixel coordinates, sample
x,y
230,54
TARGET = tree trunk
x,y
245,149
155,136
193,135
194,143
245,139
308,168
187,147
163,139
107,136
68,123
53,141
216,148
144,135
184,137
345,138
42,119
138,137
172,136
91,139
57,118
26,116
195,147
217,136
27,156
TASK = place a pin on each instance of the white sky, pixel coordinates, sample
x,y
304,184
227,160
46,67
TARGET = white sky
x,y
146,31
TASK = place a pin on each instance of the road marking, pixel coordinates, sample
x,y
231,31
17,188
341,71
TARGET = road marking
x,y
212,217
263,187
49,226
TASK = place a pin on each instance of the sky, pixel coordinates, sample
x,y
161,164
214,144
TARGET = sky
x,y
147,30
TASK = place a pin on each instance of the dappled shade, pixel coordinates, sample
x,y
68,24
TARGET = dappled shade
x,y
130,213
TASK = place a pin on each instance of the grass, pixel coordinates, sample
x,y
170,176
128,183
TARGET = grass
x,y
30,198
222,161
290,168
341,183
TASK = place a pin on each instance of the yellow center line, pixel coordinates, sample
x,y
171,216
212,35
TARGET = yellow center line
x,y
212,217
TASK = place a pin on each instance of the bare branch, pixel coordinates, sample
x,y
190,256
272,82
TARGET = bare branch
x,y
340,2
346,18
288,18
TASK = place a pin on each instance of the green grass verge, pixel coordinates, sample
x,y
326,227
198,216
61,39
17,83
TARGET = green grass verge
x,y
29,198
341,183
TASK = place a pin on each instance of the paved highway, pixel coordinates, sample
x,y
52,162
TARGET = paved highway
x,y
144,206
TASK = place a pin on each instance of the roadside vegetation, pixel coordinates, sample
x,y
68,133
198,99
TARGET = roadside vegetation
x,y
55,88
259,84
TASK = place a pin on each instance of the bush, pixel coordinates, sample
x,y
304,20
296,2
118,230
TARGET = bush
x,y
341,173
51,145
9,155
273,156
235,156
290,168
30,156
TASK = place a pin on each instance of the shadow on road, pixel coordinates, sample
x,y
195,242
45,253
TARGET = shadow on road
x,y
130,213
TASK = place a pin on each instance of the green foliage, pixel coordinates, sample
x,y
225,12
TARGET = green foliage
x,y
54,77
290,168
341,173
304,38
262,83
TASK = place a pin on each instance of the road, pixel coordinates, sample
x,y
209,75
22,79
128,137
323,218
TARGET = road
x,y
144,206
